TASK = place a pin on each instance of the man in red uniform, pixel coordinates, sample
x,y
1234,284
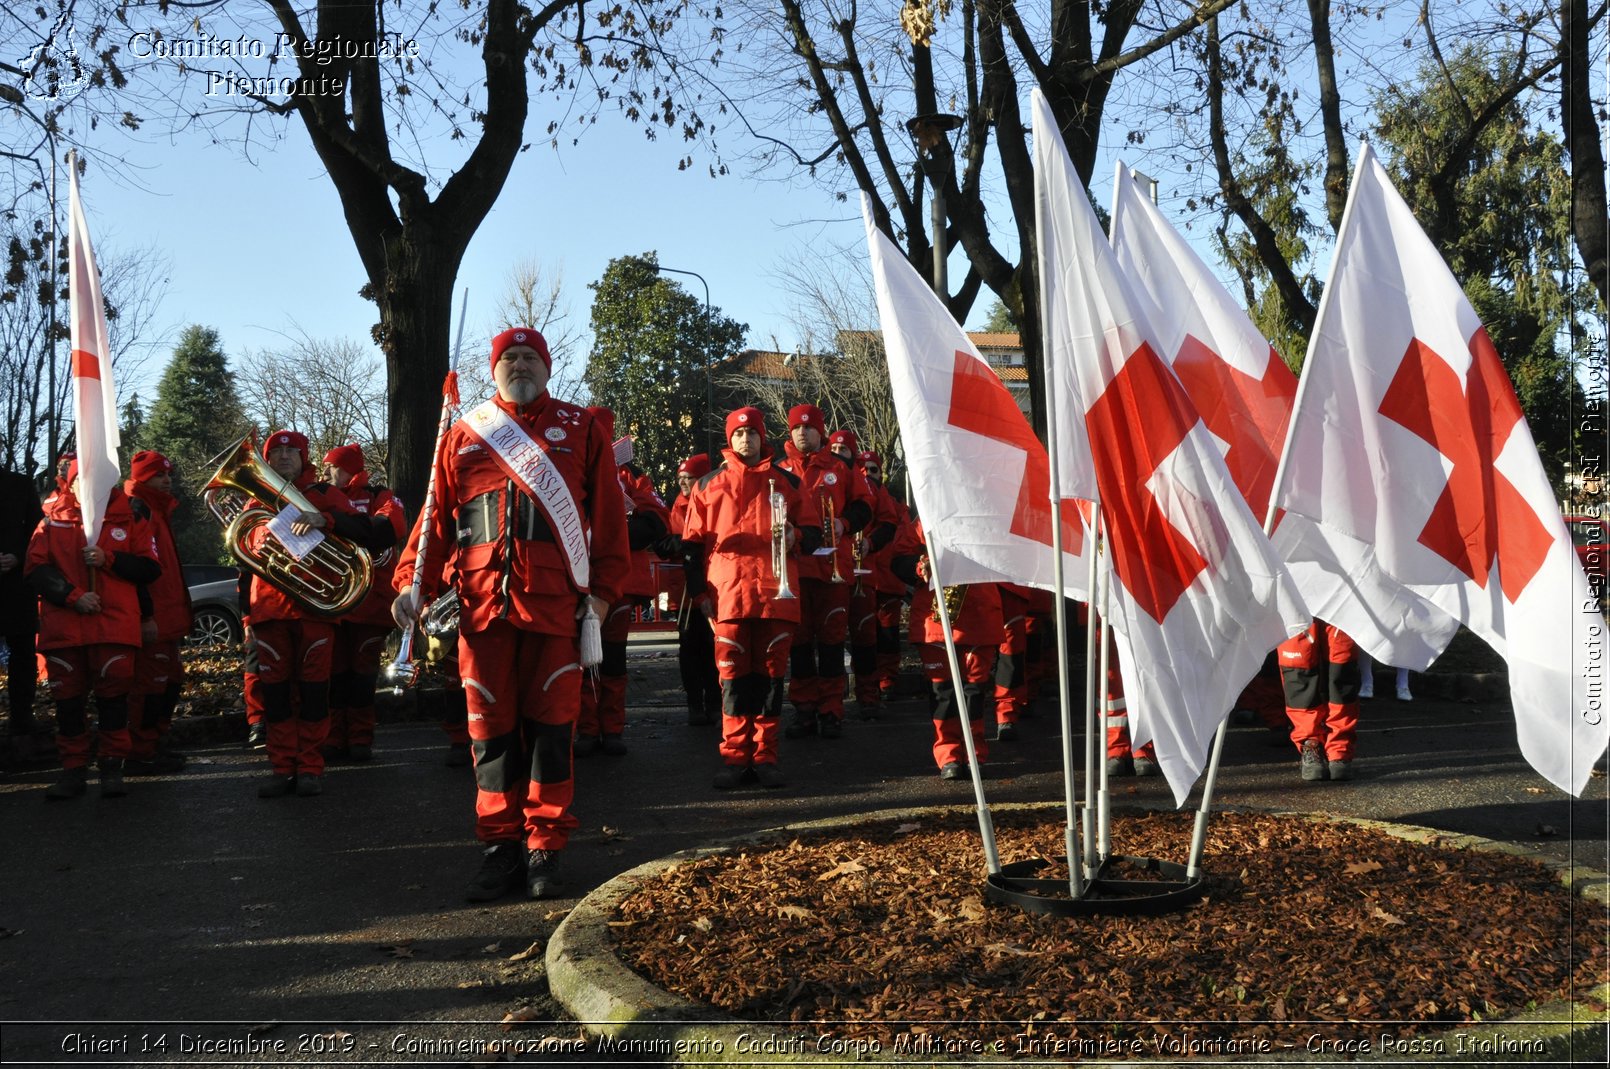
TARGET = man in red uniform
x,y
1323,711
839,493
601,723
293,644
361,633
158,672
891,589
696,643
865,546
729,542
528,505
89,627
975,627
20,513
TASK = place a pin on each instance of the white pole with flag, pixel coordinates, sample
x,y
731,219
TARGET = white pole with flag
x,y
1410,467
94,393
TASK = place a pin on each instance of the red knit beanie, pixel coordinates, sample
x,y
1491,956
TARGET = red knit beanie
x,y
147,465
698,465
846,439
348,458
806,416
748,416
869,457
522,336
295,439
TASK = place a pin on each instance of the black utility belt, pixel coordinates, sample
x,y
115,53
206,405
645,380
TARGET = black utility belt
x,y
479,520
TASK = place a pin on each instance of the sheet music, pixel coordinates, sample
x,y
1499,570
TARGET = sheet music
x,y
296,545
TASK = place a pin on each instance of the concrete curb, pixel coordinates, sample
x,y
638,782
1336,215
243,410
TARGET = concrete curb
x,y
628,1016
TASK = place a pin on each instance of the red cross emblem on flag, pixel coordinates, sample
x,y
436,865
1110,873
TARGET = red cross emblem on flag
x,y
1249,414
981,404
1137,422
1480,517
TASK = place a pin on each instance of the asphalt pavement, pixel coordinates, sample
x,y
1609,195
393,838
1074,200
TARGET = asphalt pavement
x,y
194,922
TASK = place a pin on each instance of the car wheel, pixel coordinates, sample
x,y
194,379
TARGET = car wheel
x,y
214,627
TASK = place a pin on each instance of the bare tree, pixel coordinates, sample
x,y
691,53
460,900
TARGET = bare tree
x,y
332,390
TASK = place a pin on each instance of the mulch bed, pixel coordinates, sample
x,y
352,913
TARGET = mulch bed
x,y
1308,929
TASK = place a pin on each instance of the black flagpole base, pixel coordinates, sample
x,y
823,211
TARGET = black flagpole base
x,y
1015,885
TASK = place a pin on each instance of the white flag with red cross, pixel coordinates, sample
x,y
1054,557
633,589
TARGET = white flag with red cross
x,y
94,394
1408,439
1240,386
1199,596
979,476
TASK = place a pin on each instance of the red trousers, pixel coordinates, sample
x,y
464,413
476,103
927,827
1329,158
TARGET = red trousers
x,y
523,691
977,666
752,658
816,659
603,697
73,673
890,609
354,669
158,681
1116,711
1324,709
293,670
1011,680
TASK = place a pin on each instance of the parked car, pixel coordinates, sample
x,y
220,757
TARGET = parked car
x,y
214,596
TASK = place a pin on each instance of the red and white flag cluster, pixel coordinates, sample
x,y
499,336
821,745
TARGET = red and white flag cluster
x,y
1409,452
94,393
1199,596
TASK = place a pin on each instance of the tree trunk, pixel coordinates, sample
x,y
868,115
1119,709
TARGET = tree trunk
x,y
416,308
1590,222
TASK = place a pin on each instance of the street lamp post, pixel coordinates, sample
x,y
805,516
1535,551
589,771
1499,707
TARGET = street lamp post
x,y
709,378
932,135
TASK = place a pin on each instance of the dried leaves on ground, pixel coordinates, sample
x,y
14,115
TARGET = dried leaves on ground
x,y
882,931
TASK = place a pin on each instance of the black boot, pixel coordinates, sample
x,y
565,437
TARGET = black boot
x,y
72,783
112,778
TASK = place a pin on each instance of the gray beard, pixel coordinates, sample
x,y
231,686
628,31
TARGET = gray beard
x,y
523,391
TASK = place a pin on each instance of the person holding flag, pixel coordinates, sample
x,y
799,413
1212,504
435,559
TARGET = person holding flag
x,y
89,626
159,672
526,492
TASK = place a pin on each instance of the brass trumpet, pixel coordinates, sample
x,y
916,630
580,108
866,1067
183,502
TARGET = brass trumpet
x,y
954,597
330,580
779,540
830,538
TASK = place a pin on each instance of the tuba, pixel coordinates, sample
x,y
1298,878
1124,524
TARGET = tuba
x,y
331,579
441,620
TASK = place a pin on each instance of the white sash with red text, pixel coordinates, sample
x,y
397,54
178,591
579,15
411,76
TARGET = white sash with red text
x,y
524,461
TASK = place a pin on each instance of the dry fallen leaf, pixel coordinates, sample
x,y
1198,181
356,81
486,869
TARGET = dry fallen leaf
x,y
491,948
555,914
907,829
843,868
519,1016
973,910
797,912
704,924
1382,914
1537,790
532,951
1358,868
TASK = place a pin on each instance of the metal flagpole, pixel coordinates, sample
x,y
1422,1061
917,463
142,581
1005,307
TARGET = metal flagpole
x,y
986,827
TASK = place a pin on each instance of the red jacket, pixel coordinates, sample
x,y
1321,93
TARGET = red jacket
x,y
728,539
57,573
501,574
269,602
888,510
647,522
379,504
826,479
170,596
977,623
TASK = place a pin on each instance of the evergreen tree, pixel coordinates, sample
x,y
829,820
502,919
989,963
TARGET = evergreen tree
x,y
653,346
1001,320
196,416
131,422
